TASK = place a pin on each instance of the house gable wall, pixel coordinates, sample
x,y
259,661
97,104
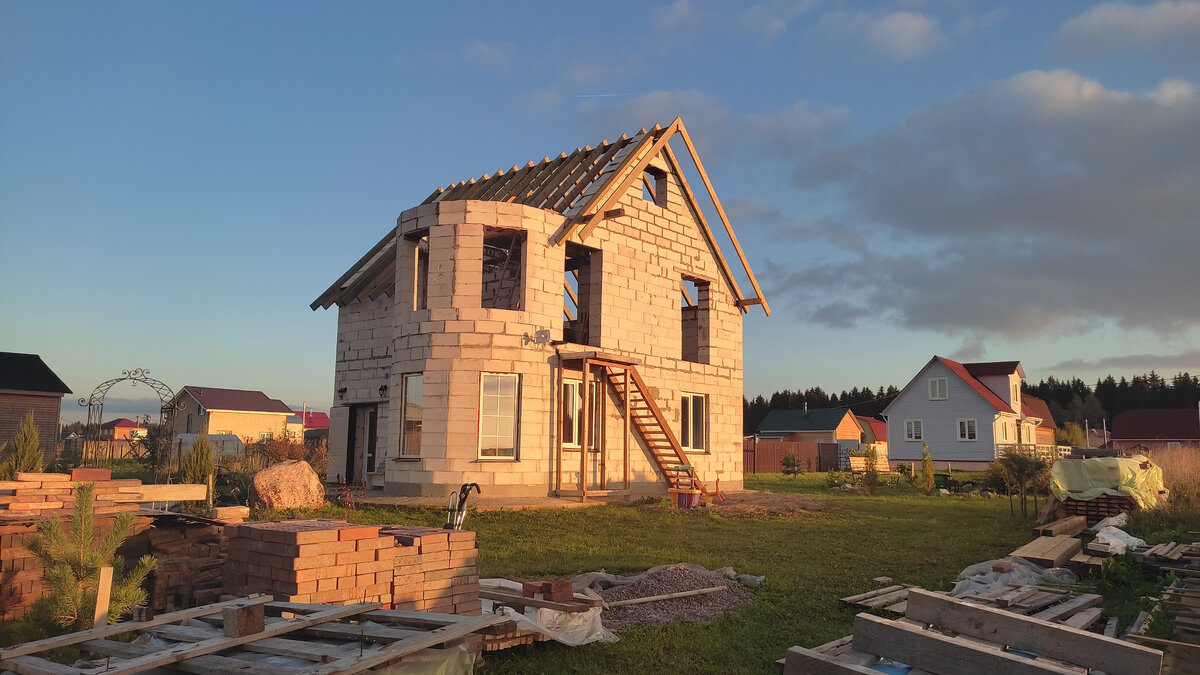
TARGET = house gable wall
x,y
940,420
15,405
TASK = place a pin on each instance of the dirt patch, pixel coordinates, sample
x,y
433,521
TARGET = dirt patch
x,y
758,504
672,579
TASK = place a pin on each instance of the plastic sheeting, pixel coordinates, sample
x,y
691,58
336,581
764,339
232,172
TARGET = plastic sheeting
x,y
569,628
979,578
1117,539
1118,476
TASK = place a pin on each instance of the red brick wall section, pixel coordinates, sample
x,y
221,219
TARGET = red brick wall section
x,y
327,561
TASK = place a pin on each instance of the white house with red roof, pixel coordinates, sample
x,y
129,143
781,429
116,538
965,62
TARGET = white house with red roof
x,y
968,413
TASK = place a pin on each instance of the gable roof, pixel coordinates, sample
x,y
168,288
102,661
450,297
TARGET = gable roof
x,y
27,372
964,373
1170,423
1033,406
995,368
582,186
876,429
781,422
214,398
314,420
120,423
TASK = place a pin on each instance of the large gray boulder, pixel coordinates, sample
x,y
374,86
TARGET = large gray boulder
x,y
289,485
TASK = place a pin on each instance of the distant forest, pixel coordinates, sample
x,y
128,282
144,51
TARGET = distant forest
x,y
1069,400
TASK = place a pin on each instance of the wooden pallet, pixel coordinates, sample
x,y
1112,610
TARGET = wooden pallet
x,y
1049,551
282,628
1069,526
891,598
1099,508
940,634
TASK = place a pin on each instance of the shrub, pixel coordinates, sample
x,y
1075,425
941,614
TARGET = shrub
x,y
791,464
71,564
927,483
838,478
870,477
197,465
27,451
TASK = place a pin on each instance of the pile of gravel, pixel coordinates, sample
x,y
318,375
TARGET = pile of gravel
x,y
672,579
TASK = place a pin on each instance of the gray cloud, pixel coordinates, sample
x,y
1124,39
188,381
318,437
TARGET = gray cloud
x,y
1188,361
1169,28
898,35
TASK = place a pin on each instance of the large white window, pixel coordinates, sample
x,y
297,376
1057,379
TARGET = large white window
x,y
413,413
693,422
967,430
573,414
913,430
499,409
937,389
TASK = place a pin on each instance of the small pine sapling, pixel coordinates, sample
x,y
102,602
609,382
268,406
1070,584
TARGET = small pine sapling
x,y
71,562
197,465
790,463
27,451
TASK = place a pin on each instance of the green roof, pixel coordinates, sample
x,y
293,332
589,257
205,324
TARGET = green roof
x,y
783,422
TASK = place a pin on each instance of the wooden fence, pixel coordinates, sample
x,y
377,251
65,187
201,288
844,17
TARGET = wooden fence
x,y
760,455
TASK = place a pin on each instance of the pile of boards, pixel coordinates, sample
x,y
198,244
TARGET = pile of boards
x,y
940,634
228,636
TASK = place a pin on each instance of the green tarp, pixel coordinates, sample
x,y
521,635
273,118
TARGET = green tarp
x,y
1118,476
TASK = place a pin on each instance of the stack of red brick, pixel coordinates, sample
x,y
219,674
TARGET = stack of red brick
x,y
325,561
34,494
27,499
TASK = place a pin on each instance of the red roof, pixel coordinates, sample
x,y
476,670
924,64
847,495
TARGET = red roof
x,y
878,427
965,375
236,399
120,423
314,420
1036,407
1166,424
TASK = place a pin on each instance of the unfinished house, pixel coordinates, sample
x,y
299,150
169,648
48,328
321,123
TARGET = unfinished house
x,y
567,328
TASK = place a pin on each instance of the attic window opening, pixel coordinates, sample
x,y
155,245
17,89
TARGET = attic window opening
x,y
503,269
579,292
654,186
420,271
695,320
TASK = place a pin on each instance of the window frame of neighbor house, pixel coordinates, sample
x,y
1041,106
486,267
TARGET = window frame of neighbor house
x,y
914,430
968,429
410,382
491,407
938,389
572,431
692,424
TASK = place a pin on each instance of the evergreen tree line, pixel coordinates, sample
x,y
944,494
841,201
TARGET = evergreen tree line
x,y
1070,400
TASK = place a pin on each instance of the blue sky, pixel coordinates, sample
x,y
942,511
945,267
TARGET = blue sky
x,y
978,180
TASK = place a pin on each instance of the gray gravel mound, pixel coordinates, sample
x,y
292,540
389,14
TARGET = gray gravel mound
x,y
672,579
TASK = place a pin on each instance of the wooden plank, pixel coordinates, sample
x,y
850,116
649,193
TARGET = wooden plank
x,y
124,627
1016,595
1083,619
801,661
1069,526
183,492
518,599
1049,551
1075,604
217,644
208,664
103,595
886,599
871,594
407,646
36,665
932,651
667,596
1033,635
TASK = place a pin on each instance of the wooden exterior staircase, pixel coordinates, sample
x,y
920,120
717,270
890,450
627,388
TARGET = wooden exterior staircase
x,y
646,417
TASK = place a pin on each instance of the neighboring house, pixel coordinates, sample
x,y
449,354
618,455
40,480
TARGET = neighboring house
x,y
1036,408
568,327
1157,429
121,429
818,425
969,414
314,425
27,384
874,430
243,413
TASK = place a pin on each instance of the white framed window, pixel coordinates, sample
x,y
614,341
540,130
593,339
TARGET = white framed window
x,y
967,430
1004,430
499,411
573,414
1174,445
914,430
693,422
937,389
1016,396
413,413
264,435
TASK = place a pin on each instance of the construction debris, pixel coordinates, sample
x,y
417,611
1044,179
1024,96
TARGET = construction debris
x,y
670,580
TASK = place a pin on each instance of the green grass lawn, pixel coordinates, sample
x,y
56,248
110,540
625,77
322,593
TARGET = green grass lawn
x,y
810,558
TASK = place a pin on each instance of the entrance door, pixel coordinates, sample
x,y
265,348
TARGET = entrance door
x,y
361,439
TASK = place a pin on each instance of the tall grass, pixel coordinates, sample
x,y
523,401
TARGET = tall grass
x,y
1176,519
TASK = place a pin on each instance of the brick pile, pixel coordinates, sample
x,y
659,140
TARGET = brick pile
x,y
28,498
333,562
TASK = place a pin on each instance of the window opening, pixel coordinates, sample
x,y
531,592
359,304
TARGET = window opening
x,y
654,186
578,293
372,438
421,274
695,319
503,269
498,414
413,414
693,422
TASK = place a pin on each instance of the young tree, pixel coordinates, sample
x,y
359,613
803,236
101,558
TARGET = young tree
x,y
1069,434
926,470
72,560
27,451
871,474
1023,471
197,465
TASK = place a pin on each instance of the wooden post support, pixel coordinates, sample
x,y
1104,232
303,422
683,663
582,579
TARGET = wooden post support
x,y
103,594
586,435
243,620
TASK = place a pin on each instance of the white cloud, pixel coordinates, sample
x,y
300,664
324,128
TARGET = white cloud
x,y
681,16
495,55
967,24
771,18
900,35
1170,27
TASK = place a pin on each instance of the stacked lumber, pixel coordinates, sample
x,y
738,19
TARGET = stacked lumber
x,y
940,634
1099,508
1069,526
191,560
890,598
1169,554
334,562
1049,551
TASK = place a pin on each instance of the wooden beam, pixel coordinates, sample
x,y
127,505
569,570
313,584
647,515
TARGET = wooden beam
x,y
687,298
396,650
123,627
936,653
635,172
103,595
737,247
1041,637
801,661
